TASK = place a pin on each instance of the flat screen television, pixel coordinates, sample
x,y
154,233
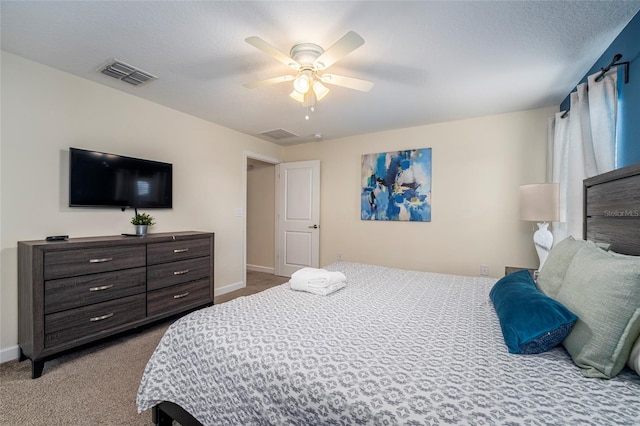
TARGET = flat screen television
x,y
98,179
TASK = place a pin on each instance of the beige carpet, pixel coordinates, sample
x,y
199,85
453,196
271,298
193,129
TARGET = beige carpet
x,y
96,385
256,281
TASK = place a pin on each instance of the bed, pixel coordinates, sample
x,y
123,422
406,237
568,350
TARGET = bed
x,y
392,347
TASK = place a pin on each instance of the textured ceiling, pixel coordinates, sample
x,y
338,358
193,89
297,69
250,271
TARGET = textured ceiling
x,y
431,61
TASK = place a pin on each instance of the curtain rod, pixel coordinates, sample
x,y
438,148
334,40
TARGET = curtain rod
x,y
603,71
615,62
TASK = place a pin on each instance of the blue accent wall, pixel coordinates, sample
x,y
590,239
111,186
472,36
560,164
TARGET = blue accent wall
x,y
628,44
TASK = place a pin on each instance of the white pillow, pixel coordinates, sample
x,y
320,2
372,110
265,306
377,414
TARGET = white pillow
x,y
634,357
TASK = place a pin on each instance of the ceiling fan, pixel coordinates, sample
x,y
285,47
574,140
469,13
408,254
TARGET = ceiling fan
x,y
309,60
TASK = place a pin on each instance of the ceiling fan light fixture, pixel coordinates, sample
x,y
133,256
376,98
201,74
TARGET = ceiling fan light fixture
x,y
302,83
309,99
320,90
307,59
296,96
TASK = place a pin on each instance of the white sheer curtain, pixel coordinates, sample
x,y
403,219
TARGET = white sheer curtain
x,y
583,145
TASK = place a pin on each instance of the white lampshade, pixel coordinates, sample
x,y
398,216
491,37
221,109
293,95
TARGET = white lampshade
x,y
302,83
539,202
309,98
320,90
296,96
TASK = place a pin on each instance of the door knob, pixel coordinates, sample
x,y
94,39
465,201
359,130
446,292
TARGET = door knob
x,y
314,227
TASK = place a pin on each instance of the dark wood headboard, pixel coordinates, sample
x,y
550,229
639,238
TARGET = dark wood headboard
x,y
612,209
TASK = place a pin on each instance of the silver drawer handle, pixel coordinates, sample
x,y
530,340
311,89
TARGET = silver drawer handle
x,y
186,271
104,259
180,296
181,250
102,287
101,317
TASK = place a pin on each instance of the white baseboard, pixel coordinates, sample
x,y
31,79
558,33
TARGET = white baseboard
x,y
257,268
219,291
9,354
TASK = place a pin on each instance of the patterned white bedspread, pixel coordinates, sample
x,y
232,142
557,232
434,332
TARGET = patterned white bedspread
x,y
393,347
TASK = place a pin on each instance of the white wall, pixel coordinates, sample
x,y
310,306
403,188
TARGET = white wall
x,y
45,111
478,165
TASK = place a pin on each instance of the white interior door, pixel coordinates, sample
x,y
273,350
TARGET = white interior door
x,y
298,216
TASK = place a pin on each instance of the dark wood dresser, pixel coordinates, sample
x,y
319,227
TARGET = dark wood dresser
x,y
84,289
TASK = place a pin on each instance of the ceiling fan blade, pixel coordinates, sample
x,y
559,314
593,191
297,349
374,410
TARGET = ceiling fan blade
x,y
348,82
347,44
269,81
259,43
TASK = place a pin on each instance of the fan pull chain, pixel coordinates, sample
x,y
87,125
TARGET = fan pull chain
x,y
309,111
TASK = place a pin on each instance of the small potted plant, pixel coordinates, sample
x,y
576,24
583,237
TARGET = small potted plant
x,y
142,221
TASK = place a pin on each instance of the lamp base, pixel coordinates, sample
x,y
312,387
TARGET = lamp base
x,y
543,240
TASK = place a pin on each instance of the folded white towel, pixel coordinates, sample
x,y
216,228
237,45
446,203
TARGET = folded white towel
x,y
317,281
323,291
317,277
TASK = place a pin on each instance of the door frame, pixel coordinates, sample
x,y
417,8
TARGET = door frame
x,y
266,159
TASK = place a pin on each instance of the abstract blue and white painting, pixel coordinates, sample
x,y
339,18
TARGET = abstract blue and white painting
x,y
397,186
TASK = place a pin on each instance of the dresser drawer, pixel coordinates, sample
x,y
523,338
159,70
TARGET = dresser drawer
x,y
178,297
168,274
67,326
69,293
178,250
69,263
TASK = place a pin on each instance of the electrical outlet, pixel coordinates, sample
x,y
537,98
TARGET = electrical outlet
x,y
339,257
484,270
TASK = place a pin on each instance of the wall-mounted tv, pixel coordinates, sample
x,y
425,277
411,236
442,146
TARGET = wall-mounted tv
x,y
98,179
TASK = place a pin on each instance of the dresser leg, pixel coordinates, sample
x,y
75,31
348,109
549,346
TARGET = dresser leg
x,y
22,356
36,369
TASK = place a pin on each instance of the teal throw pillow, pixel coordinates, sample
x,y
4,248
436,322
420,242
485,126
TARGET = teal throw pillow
x,y
531,322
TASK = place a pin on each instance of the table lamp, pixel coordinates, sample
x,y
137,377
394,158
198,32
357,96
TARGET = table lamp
x,y
539,203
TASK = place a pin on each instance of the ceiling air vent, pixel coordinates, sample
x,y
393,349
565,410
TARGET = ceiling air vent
x,y
278,134
126,73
